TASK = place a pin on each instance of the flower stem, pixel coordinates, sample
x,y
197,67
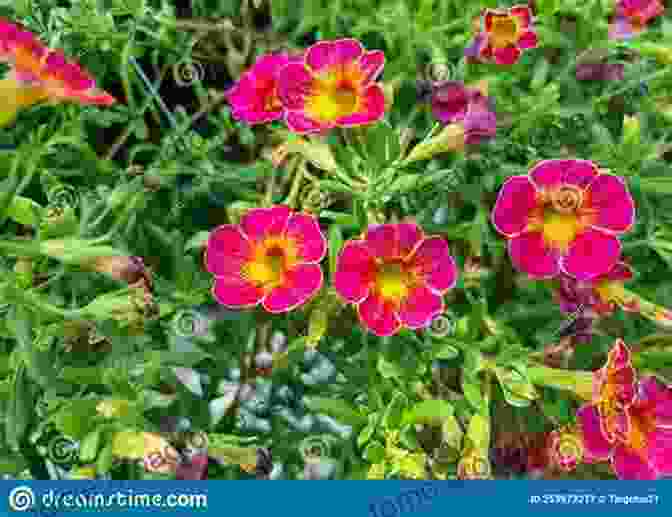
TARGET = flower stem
x,y
578,382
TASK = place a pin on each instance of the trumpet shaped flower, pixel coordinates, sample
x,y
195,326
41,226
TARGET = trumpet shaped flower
x,y
632,17
254,98
504,35
39,74
334,87
271,258
628,422
564,217
395,276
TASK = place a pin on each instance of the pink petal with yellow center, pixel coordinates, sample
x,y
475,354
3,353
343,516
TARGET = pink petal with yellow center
x,y
355,272
236,292
658,397
372,64
305,231
592,253
523,14
371,107
659,451
388,241
227,250
527,40
596,446
327,54
295,83
301,124
260,223
301,284
631,464
506,55
609,196
379,316
516,199
433,263
529,254
616,379
420,307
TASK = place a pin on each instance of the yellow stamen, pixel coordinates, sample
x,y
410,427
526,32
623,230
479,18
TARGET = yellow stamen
x,y
560,230
337,94
272,259
504,31
15,97
393,282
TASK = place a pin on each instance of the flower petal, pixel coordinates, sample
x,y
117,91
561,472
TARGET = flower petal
x,y
236,292
629,464
489,16
227,250
655,394
609,195
530,255
295,83
371,107
659,450
301,284
523,14
591,254
432,261
305,231
475,49
372,64
551,173
326,54
260,223
387,241
299,123
516,199
355,272
450,101
378,316
596,447
506,55
420,307
527,40
622,28
620,272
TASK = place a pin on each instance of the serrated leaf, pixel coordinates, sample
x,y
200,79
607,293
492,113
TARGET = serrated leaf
x,y
338,409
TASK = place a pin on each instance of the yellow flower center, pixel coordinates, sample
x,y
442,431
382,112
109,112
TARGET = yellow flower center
x,y
393,282
504,31
559,229
336,94
271,260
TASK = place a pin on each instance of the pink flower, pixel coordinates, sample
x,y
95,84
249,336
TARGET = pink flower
x,y
334,87
254,98
632,16
564,217
505,33
396,276
272,257
628,423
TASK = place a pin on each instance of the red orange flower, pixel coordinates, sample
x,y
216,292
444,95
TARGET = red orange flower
x,y
628,423
505,33
564,217
39,74
272,257
334,87
632,16
396,276
254,98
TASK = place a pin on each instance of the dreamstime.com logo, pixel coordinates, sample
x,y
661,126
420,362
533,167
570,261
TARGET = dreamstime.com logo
x,y
21,499
408,501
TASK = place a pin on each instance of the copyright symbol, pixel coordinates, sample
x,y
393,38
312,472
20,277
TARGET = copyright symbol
x,y
62,450
186,73
21,499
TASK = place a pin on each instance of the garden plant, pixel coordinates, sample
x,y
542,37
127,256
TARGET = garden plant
x,y
335,239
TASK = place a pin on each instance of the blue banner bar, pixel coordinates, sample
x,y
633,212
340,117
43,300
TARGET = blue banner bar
x,y
345,498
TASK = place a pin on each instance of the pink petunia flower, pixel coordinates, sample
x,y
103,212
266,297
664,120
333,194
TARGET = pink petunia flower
x,y
505,33
628,423
272,257
39,74
564,217
632,16
254,98
396,276
334,87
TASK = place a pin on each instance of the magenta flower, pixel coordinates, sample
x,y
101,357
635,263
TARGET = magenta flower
x,y
334,87
272,257
254,98
505,33
632,16
396,276
628,423
38,74
564,217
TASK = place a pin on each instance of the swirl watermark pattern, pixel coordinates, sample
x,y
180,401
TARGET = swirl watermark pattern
x,y
186,73
315,448
21,499
442,326
190,323
62,450
63,196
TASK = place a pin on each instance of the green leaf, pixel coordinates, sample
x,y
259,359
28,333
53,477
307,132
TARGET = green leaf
x,y
388,369
24,211
374,452
445,349
335,245
198,241
338,409
368,431
517,388
76,419
88,449
394,412
105,459
429,412
472,389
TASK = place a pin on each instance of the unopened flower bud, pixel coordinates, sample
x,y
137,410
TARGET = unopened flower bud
x,y
451,138
127,269
566,448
